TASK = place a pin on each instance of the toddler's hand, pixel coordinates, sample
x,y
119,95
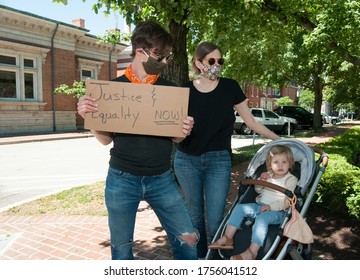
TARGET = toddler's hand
x,y
264,176
265,208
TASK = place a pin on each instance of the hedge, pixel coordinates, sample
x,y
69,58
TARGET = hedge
x,y
339,187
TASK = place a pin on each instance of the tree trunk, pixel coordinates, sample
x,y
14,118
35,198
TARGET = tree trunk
x,y
318,84
178,69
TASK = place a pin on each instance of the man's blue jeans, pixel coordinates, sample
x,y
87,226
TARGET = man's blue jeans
x,y
262,220
205,181
123,194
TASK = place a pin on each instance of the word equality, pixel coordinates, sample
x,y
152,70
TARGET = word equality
x,y
124,113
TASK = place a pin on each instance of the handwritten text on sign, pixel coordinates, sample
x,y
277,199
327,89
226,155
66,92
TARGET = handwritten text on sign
x,y
137,108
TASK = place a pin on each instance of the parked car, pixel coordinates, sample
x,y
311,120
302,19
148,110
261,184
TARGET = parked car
x,y
270,119
303,117
330,119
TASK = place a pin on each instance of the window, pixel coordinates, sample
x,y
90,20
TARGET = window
x,y
87,74
18,74
89,69
256,113
270,115
276,92
263,102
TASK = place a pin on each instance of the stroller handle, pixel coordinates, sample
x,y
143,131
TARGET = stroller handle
x,y
325,157
268,185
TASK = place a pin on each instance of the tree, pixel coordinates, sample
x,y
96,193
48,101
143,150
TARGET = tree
x,y
77,90
306,99
344,88
265,42
305,42
284,101
177,15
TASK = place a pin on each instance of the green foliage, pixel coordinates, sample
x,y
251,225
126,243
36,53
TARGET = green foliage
x,y
345,87
113,37
339,188
313,43
77,90
346,145
284,101
307,99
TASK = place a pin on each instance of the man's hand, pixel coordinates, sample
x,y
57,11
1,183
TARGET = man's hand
x,y
188,124
86,104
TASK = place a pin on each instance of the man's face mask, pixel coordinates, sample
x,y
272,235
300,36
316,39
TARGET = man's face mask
x,y
153,65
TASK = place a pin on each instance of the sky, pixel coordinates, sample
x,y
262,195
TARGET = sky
x,y
96,23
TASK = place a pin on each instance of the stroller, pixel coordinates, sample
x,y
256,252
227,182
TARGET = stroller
x,y
308,170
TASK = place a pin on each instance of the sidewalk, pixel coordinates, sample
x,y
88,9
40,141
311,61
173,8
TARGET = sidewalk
x,y
82,237
74,237
77,237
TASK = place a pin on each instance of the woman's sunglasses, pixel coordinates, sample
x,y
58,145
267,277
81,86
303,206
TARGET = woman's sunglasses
x,y
212,61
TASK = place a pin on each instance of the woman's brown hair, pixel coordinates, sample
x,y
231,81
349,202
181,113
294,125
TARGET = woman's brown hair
x,y
201,51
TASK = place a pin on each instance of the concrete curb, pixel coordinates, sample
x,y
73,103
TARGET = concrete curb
x,y
43,137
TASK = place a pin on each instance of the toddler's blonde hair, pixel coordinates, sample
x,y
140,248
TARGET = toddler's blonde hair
x,y
279,150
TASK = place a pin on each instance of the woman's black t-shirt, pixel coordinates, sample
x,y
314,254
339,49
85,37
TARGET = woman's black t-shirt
x,y
214,117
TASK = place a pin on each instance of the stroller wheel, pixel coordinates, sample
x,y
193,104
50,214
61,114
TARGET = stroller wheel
x,y
299,251
307,251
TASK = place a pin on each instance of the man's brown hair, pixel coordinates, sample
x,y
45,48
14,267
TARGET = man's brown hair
x,y
150,35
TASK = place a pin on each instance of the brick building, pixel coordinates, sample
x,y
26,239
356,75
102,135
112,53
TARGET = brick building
x,y
266,97
37,55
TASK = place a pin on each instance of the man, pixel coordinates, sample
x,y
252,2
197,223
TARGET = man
x,y
140,164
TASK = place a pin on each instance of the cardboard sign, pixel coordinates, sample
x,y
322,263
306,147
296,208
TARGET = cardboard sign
x,y
137,108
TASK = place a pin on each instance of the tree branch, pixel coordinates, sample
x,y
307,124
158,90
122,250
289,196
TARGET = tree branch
x,y
270,7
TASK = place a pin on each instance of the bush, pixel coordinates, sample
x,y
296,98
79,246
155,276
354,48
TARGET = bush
x,y
339,187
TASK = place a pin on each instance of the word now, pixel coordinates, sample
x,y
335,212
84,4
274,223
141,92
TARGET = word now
x,y
161,117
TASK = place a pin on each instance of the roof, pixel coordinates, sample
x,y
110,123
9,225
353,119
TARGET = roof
x,y
43,18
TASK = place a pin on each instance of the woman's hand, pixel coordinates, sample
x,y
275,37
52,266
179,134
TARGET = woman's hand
x,y
86,104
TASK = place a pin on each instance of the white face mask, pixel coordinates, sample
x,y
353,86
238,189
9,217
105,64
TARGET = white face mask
x,y
211,72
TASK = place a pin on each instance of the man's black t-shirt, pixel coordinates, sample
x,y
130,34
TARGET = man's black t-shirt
x,y
141,155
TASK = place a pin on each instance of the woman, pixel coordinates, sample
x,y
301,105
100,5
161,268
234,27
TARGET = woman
x,y
203,160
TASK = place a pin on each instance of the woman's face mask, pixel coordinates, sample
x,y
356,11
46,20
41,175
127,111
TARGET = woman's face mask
x,y
152,66
211,72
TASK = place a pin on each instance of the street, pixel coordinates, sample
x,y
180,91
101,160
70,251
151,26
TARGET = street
x,y
35,169
32,170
